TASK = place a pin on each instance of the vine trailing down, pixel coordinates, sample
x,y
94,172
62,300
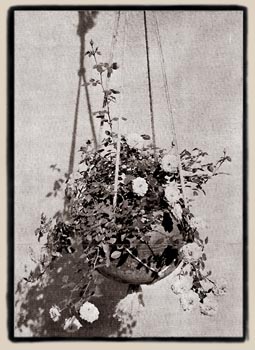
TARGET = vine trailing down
x,y
138,235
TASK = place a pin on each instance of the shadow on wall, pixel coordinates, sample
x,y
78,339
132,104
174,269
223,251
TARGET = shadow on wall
x,y
34,300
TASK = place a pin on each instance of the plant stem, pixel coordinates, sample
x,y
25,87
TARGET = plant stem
x,y
103,89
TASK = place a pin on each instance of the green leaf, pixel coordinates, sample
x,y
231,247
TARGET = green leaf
x,y
146,137
114,65
115,91
116,254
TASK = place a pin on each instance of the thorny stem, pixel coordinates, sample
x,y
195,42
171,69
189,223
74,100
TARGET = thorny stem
x,y
74,290
103,88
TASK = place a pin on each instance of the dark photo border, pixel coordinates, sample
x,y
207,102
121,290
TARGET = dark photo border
x,y
11,159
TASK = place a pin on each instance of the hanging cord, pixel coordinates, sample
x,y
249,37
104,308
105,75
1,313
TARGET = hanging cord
x,y
149,85
169,108
72,152
83,75
81,31
113,43
117,165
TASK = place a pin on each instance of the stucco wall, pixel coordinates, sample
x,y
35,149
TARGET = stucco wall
x,y
203,53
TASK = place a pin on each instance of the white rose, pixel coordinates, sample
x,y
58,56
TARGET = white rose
x,y
172,193
209,306
181,284
140,186
169,163
206,285
135,141
189,300
220,288
72,324
89,312
196,222
55,313
83,167
191,252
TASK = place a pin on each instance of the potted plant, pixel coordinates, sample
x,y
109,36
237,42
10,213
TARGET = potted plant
x,y
127,214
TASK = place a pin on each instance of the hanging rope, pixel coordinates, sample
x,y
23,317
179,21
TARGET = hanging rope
x,y
149,84
72,152
117,165
85,23
169,107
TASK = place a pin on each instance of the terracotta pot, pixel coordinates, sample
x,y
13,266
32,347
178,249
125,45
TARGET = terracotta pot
x,y
129,272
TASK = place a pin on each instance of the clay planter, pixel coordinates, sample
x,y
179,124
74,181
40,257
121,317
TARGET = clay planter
x,y
132,272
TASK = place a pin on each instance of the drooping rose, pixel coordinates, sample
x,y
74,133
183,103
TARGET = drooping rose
x,y
89,312
55,313
209,306
72,324
191,252
189,300
181,283
172,193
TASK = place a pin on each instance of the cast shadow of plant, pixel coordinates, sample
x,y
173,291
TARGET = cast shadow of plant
x,y
34,300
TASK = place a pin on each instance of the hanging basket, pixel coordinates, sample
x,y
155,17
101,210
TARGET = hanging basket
x,y
129,273
133,271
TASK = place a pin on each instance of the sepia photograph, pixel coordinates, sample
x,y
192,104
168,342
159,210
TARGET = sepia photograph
x,y
128,130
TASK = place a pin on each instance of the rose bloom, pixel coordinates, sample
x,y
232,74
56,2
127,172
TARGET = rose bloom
x,y
209,306
220,288
206,285
189,300
135,141
140,186
181,284
55,313
191,252
83,167
89,312
169,163
196,222
72,324
172,193
177,211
